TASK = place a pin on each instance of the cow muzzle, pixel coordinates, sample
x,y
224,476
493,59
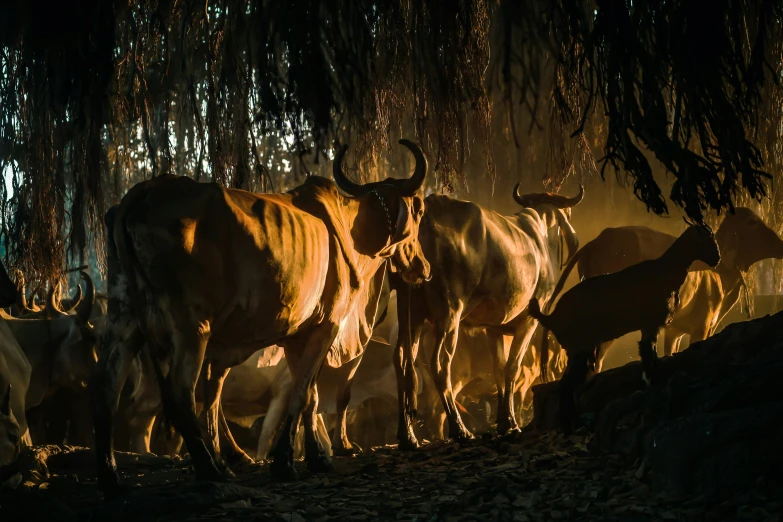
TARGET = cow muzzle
x,y
417,272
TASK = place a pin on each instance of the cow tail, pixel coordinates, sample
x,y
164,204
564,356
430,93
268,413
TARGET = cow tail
x,y
534,309
136,281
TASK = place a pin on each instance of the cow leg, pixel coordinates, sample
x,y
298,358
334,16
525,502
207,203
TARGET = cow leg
x,y
305,370
671,341
648,354
322,431
179,402
506,419
213,376
432,410
599,362
345,374
140,427
445,346
316,456
231,451
410,319
578,368
498,353
109,375
698,334
272,420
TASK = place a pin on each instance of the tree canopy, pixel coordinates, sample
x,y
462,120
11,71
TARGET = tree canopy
x,y
97,95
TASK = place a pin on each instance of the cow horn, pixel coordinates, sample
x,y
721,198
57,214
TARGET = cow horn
x,y
518,197
73,303
559,201
84,308
21,295
51,303
348,186
415,182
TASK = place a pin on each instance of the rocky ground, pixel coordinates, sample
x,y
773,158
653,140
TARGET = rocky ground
x,y
525,478
703,444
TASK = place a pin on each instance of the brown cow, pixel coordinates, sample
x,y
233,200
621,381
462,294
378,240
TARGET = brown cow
x,y
217,274
707,294
486,267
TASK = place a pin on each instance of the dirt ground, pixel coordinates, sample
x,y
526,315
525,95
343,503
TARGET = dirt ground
x,y
525,478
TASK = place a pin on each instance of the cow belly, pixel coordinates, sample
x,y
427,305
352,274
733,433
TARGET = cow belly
x,y
492,311
504,291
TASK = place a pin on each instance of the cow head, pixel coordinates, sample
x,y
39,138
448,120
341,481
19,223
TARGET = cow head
x,y
81,304
10,434
700,240
554,209
75,357
389,216
745,239
78,349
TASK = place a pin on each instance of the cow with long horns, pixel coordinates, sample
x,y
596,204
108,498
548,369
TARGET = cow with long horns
x,y
61,348
214,274
486,267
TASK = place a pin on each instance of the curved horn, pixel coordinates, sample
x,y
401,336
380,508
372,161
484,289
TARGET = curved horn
x,y
347,186
84,308
574,201
51,303
559,201
519,198
73,303
415,182
21,291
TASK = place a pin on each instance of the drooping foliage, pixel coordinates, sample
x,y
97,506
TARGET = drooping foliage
x,y
97,95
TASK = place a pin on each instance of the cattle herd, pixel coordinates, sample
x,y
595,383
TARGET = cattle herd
x,y
228,310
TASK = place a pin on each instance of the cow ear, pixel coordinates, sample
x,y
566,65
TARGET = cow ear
x,y
5,403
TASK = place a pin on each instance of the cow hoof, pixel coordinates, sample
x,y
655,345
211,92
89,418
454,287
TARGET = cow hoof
x,y
348,451
320,464
463,436
238,459
408,443
505,427
284,472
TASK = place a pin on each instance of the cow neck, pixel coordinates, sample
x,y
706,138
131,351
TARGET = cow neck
x,y
678,261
